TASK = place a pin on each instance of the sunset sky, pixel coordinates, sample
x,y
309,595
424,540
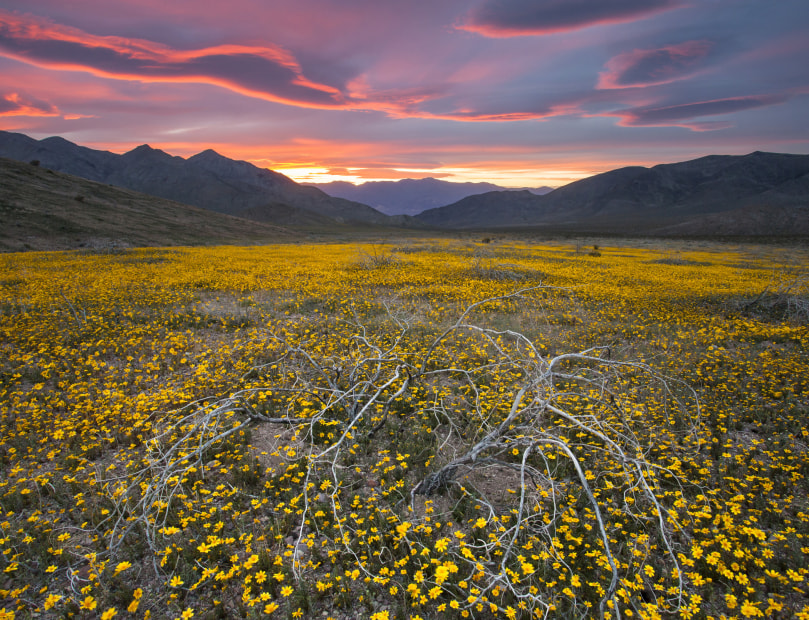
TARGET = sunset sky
x,y
516,92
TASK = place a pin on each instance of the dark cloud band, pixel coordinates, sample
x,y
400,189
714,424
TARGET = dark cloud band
x,y
685,114
508,18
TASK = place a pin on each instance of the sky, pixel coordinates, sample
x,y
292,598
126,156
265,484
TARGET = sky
x,y
523,93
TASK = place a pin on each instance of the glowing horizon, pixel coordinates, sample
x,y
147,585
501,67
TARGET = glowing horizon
x,y
510,175
508,179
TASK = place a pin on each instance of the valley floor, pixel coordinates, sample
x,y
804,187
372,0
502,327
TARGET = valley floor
x,y
421,428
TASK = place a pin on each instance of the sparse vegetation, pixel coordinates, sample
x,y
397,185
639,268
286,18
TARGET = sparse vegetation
x,y
785,298
286,431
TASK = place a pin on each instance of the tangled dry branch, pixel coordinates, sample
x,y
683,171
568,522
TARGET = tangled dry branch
x,y
569,433
786,297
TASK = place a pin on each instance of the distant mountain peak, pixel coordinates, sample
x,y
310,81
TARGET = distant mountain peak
x,y
207,154
57,140
146,151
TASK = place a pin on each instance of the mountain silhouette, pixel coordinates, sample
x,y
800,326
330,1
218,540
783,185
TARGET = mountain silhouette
x,y
755,194
206,180
645,200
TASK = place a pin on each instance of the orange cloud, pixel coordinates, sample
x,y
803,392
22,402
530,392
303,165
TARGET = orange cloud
x,y
266,72
13,104
387,173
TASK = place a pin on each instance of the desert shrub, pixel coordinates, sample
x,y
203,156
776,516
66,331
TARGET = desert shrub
x,y
376,258
786,297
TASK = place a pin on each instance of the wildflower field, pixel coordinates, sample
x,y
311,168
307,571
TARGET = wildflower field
x,y
428,429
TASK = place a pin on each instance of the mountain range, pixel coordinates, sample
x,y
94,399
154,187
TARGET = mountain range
x,y
207,180
758,194
702,196
411,196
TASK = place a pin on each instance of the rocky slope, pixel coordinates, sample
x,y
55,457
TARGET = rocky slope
x,y
45,210
637,199
206,180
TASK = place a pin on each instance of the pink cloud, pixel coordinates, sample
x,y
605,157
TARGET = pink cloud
x,y
655,66
474,116
511,18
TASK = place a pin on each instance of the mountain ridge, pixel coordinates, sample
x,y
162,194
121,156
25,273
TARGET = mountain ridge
x,y
755,194
41,209
207,180
649,199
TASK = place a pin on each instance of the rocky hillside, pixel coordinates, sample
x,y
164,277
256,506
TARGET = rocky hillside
x,y
45,210
637,199
207,180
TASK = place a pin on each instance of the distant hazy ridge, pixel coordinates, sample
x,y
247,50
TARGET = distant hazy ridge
x,y
411,196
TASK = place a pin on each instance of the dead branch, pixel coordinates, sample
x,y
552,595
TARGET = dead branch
x,y
570,427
